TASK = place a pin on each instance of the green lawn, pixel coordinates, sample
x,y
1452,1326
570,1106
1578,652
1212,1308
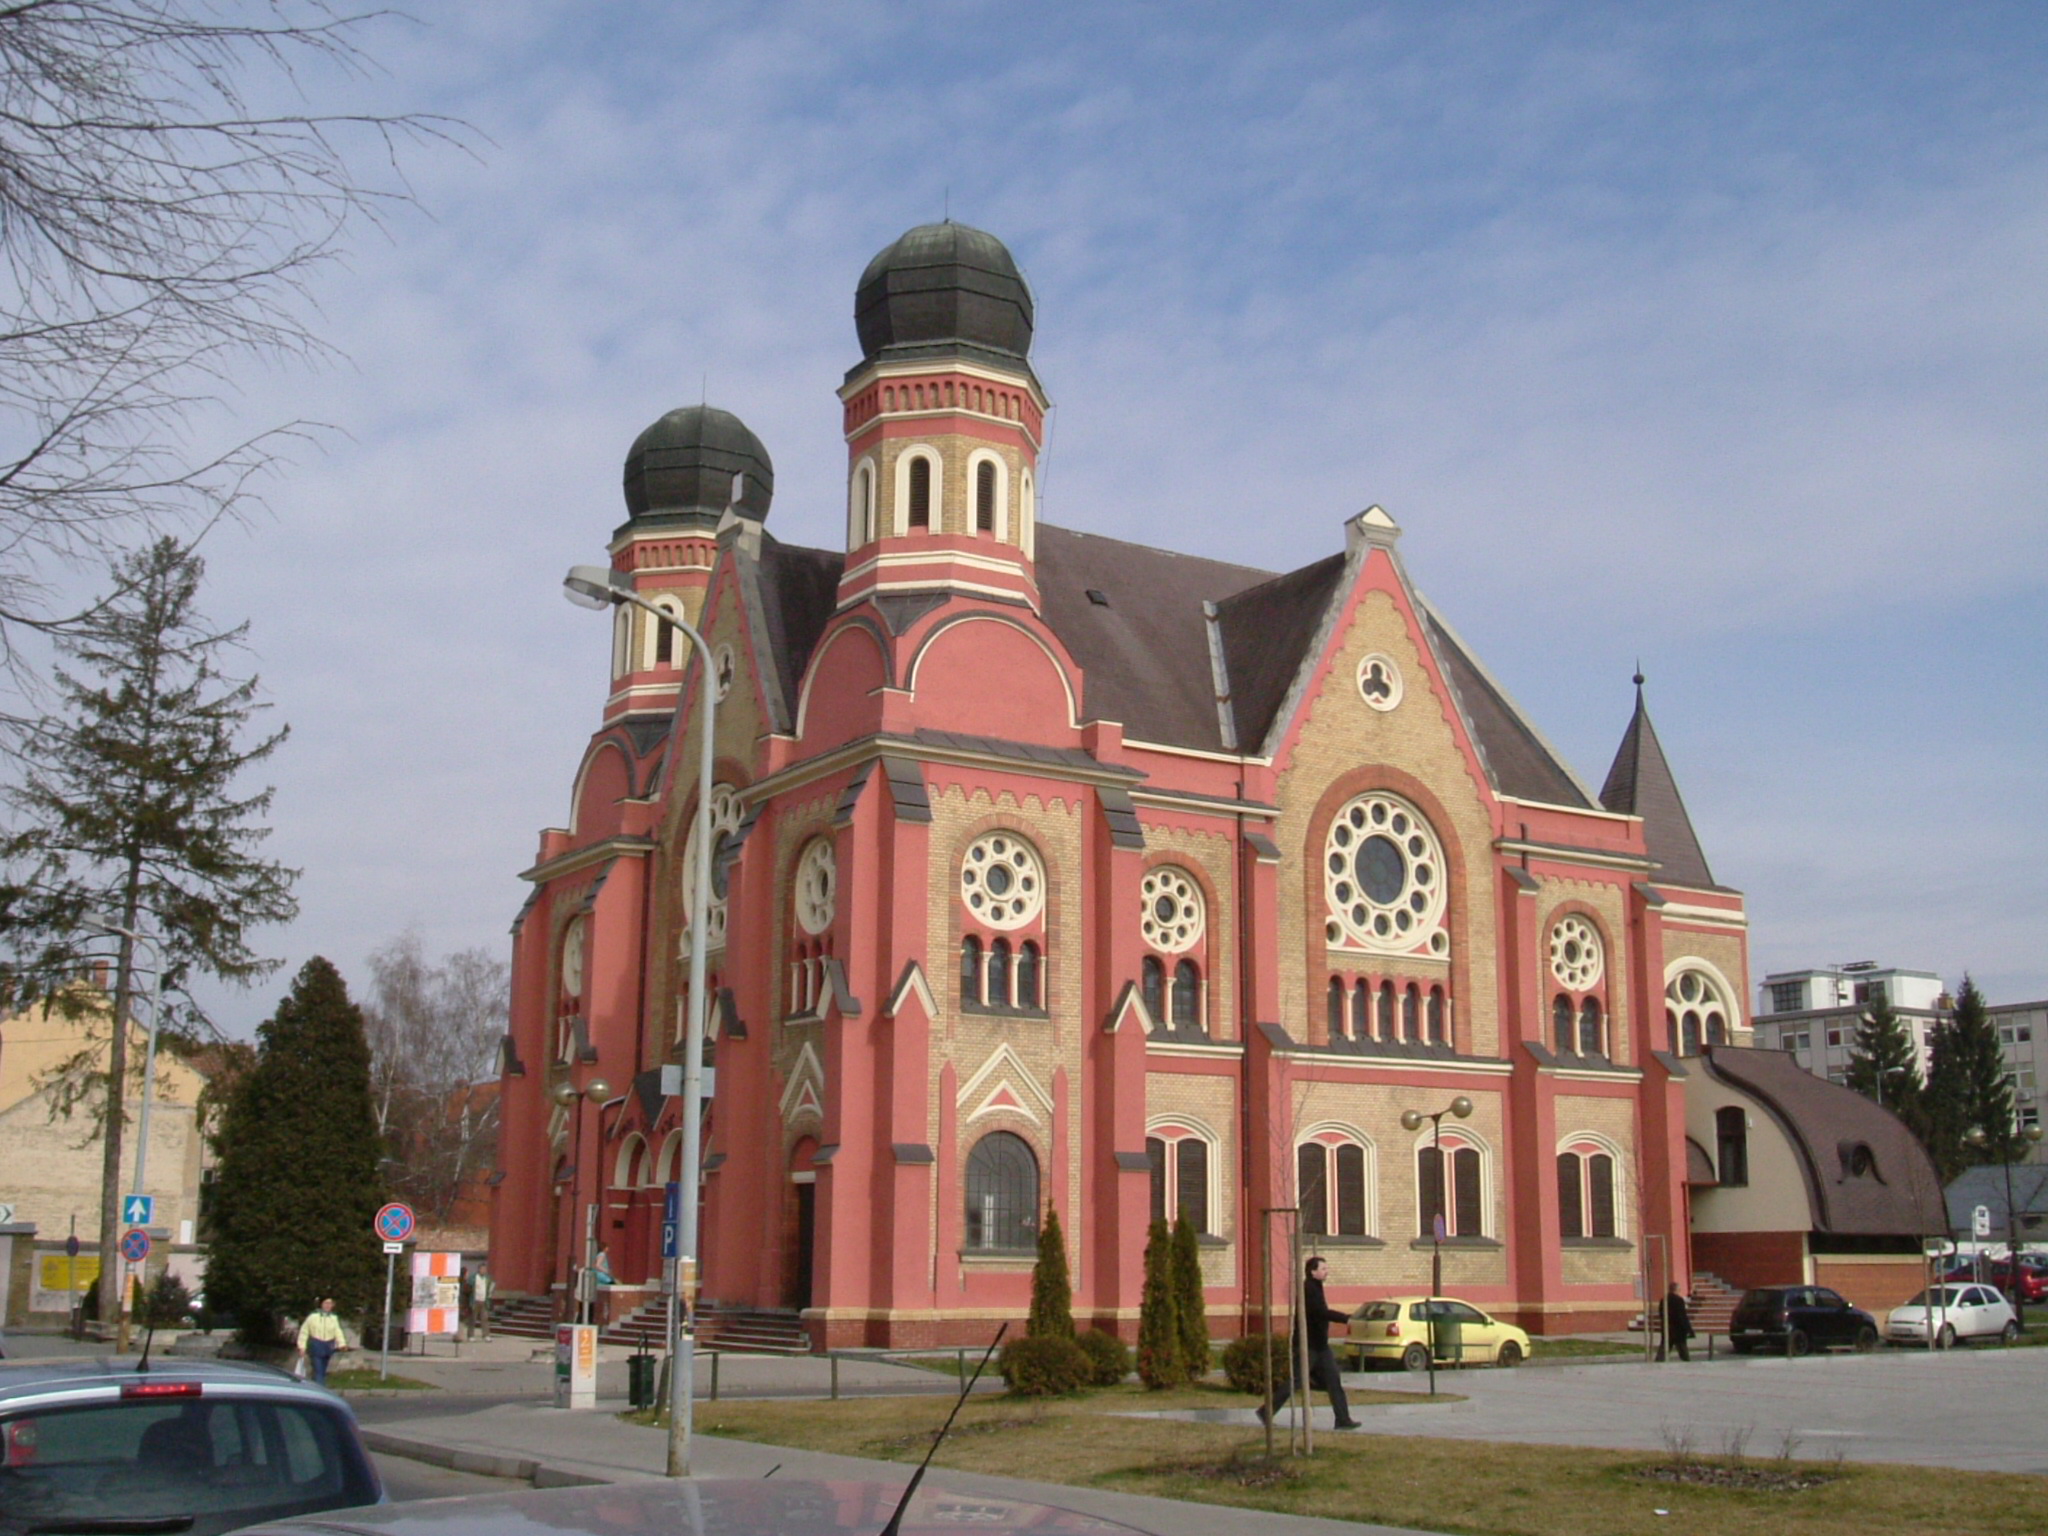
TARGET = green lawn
x,y
1443,1485
363,1378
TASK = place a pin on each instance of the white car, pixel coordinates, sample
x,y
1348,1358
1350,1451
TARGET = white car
x,y
1957,1314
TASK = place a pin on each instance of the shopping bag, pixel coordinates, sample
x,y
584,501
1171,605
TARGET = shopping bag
x,y
299,1367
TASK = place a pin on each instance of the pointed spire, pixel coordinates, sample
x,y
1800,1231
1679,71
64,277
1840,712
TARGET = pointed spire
x,y
1641,784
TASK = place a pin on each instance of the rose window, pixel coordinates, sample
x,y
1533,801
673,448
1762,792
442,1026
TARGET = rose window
x,y
1379,682
1173,911
725,821
1002,881
1383,873
1576,958
817,886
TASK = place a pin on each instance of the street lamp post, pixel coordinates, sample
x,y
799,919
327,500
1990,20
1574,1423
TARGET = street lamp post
x,y
596,586
1411,1120
156,1014
2017,1288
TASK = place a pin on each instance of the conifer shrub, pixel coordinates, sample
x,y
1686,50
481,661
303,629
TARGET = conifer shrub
x,y
1041,1365
1109,1358
1161,1363
1191,1309
1052,1293
1245,1369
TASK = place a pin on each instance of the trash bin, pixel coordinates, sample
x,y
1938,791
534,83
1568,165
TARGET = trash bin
x,y
1450,1341
640,1380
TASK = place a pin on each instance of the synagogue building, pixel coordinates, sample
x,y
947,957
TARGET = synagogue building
x,y
1055,872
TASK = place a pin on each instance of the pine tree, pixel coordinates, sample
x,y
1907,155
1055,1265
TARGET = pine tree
x,y
1161,1362
127,811
1885,1066
1190,1307
1969,1091
1052,1293
297,1184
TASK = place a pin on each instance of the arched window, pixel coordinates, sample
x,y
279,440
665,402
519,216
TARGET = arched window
x,y
1002,1194
1465,1216
1731,1132
1561,1023
1350,1190
1571,1206
985,497
970,969
1361,1010
863,504
1437,1032
1386,1030
1411,1013
1697,1010
1312,1187
920,492
1336,1008
1600,1194
999,974
1152,982
1590,1041
1191,1182
1179,1163
1029,969
664,640
1187,996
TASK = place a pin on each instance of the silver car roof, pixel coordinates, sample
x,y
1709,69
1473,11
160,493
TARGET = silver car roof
x,y
32,1380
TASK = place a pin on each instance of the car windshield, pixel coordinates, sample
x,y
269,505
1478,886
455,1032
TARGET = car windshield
x,y
1943,1296
217,1464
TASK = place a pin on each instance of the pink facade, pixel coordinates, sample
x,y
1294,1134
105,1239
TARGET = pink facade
x,y
1062,872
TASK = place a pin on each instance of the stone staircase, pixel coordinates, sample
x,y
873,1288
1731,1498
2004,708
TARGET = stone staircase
x,y
743,1331
1713,1302
523,1317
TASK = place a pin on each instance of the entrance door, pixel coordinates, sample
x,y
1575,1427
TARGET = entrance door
x,y
806,1231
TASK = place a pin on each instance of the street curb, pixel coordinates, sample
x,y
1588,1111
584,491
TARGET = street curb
x,y
522,1469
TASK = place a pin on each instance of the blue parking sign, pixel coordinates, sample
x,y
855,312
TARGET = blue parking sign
x,y
672,1207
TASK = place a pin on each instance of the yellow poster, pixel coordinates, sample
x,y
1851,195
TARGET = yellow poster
x,y
61,1273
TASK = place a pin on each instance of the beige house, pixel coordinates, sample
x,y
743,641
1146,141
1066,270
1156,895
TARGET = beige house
x,y
50,1161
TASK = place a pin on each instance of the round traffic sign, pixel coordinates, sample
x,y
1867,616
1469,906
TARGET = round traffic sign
x,y
71,1247
135,1245
394,1222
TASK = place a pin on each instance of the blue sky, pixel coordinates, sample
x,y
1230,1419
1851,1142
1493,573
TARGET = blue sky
x,y
1710,335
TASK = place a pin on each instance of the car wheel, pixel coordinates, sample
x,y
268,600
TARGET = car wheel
x,y
1866,1339
2009,1334
1797,1343
1946,1339
1509,1356
1415,1357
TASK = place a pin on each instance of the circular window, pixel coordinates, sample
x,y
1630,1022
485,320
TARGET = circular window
x,y
1576,958
722,660
1001,880
725,821
817,886
1379,681
1173,910
1383,872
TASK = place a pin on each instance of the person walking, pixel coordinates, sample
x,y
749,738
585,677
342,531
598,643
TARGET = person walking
x,y
1322,1360
1677,1325
321,1338
480,1304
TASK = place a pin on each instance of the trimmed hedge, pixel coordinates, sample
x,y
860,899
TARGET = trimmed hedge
x,y
1244,1370
1109,1358
1044,1366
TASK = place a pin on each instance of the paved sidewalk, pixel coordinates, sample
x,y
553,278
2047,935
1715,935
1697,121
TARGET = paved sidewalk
x,y
553,1446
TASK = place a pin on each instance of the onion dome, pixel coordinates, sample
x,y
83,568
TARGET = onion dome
x,y
944,289
683,468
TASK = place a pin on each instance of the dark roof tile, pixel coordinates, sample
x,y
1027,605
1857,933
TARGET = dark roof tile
x,y
1640,783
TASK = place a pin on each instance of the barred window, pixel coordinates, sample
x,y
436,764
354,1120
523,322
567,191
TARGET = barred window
x,y
1152,982
985,497
1002,1193
1561,1023
1590,1041
920,492
1187,996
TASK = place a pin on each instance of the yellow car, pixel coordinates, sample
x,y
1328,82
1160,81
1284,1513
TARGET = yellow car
x,y
1399,1328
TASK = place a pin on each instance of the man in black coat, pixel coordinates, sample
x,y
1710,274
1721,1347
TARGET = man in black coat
x,y
1322,1361
1677,1324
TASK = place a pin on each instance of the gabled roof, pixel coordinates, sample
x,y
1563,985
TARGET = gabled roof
x,y
1267,631
1518,760
1640,783
1986,1187
1144,649
797,589
1866,1174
